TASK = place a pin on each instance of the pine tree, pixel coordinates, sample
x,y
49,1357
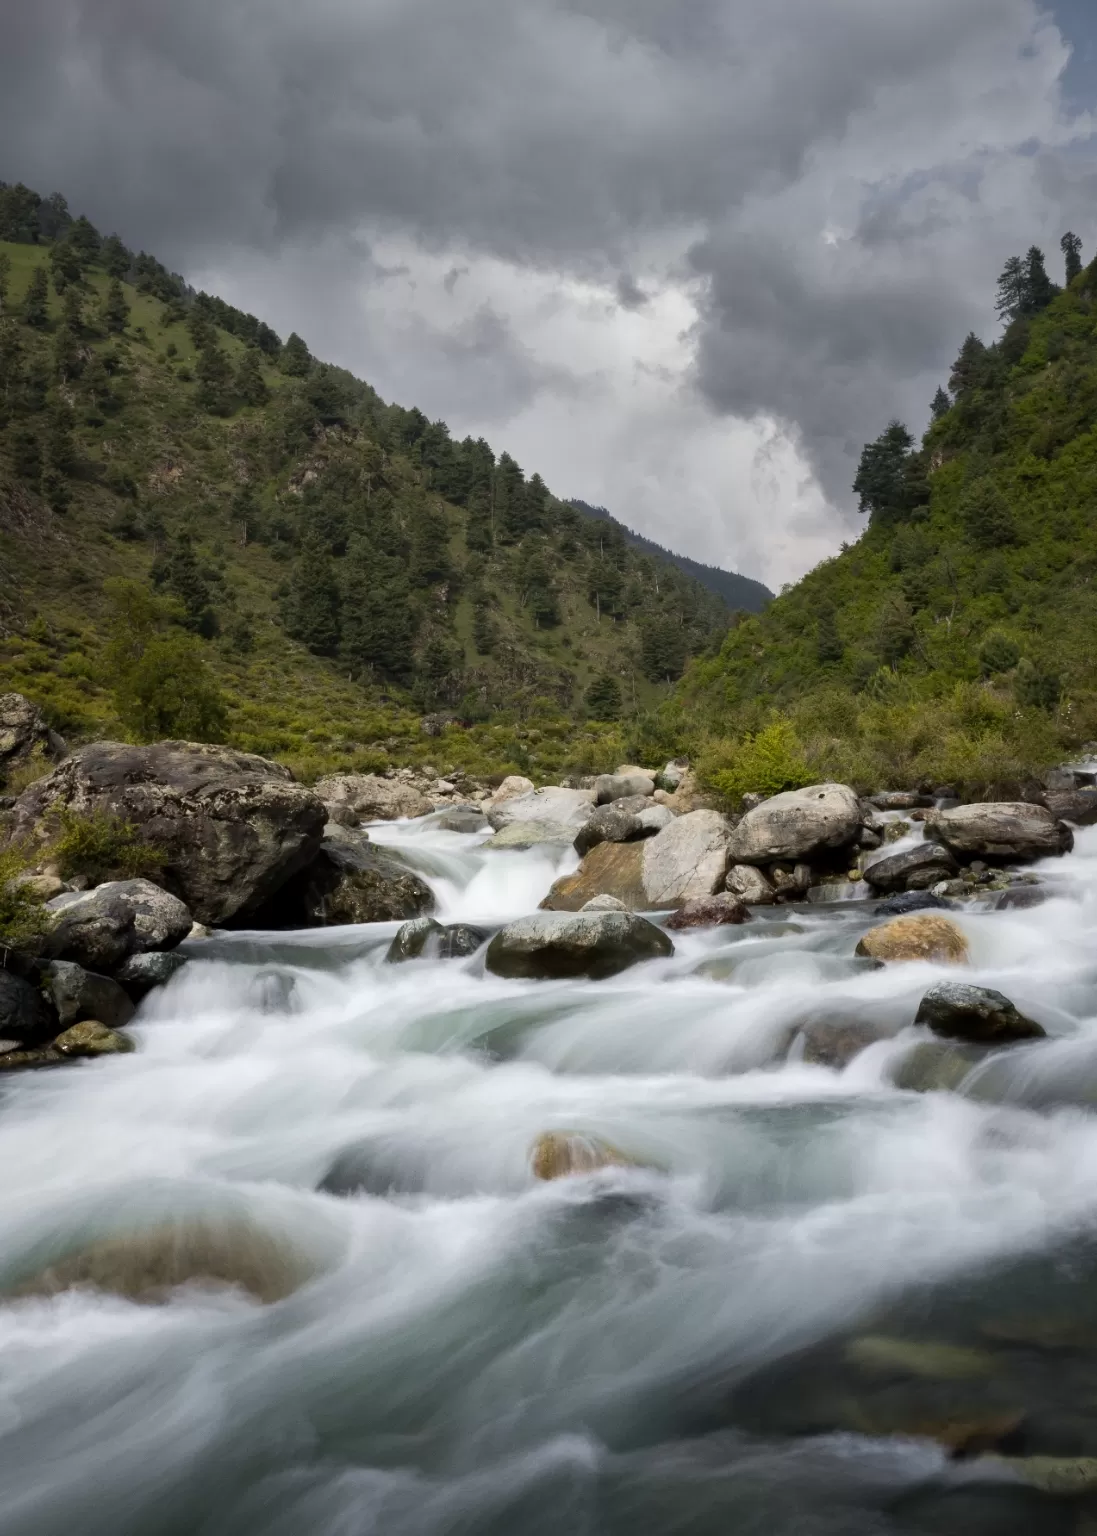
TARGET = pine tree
x,y
967,370
60,447
83,236
65,265
828,642
485,631
5,279
296,360
180,574
478,536
1071,247
72,309
941,404
1039,289
1011,297
214,380
116,311
26,455
115,257
378,620
248,383
880,483
603,698
312,607
36,299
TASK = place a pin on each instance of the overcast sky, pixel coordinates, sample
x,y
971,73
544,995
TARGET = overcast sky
x,y
681,256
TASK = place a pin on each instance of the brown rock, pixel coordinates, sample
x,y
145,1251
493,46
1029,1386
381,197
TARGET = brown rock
x,y
93,1039
610,869
710,912
563,1154
919,936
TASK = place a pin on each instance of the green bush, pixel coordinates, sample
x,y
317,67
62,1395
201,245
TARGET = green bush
x,y
765,763
21,915
99,846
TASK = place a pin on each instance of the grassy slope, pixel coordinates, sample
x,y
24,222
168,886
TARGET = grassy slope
x,y
915,602
282,700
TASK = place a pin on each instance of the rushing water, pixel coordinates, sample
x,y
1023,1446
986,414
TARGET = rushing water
x,y
477,1352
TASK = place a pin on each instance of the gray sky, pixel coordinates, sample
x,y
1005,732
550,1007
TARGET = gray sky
x,y
681,256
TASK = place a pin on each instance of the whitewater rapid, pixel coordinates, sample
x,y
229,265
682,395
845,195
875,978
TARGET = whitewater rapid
x,y
477,1352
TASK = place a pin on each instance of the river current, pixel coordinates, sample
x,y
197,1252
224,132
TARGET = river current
x,y
474,1351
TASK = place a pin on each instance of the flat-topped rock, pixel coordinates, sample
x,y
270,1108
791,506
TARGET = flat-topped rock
x,y
562,807
1006,831
556,945
372,798
797,824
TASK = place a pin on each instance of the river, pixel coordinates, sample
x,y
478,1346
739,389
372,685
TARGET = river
x,y
474,1351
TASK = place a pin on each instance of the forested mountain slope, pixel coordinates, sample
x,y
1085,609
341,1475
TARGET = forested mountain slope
x,y
957,639
206,532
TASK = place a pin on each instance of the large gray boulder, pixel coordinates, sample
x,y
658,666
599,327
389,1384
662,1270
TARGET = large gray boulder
x,y
553,945
562,807
686,860
750,885
1009,831
616,786
1076,805
154,968
608,825
95,929
915,869
976,1014
371,798
232,827
798,824
521,835
160,920
78,995
425,938
25,738
25,1016
350,881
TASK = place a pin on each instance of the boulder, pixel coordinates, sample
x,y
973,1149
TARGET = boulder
x,y
603,904
160,920
554,945
95,929
671,776
564,807
608,825
25,737
92,1038
563,1154
689,796
750,885
915,869
653,819
610,869
910,901
1009,830
899,800
686,860
141,973
25,1016
798,824
919,936
462,818
78,995
615,786
790,884
349,881
424,937
978,1015
147,1266
232,827
521,835
512,786
1076,805
372,798
709,912
38,887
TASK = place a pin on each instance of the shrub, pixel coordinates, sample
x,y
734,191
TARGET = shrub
x,y
765,763
21,915
101,847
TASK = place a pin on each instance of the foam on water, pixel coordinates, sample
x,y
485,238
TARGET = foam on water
x,y
476,1352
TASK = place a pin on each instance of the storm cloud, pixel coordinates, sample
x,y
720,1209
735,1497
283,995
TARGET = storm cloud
x,y
704,247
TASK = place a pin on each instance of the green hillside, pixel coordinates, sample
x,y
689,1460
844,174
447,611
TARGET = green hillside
x,y
205,531
957,639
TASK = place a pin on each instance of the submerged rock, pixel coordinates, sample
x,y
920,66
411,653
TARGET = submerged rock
x,y
92,1038
78,994
146,1267
426,938
797,824
709,912
910,901
979,1014
936,1066
232,827
920,936
554,945
834,1042
1010,830
563,1154
462,818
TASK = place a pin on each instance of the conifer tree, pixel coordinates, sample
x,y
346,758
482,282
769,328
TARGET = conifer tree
x,y
72,309
312,607
603,697
378,620
5,279
214,380
967,370
26,455
248,383
178,572
83,236
1071,247
60,446
941,404
115,257
36,299
116,311
296,360
828,642
65,265
1039,289
881,475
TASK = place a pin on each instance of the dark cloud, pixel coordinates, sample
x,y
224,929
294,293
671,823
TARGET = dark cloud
x,y
839,180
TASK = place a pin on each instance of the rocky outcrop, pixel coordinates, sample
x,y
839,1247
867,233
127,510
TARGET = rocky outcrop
x,y
555,945
978,1015
686,860
608,825
716,911
25,737
915,869
750,885
920,936
798,824
562,807
232,827
1007,831
371,798
564,1154
351,880
78,995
